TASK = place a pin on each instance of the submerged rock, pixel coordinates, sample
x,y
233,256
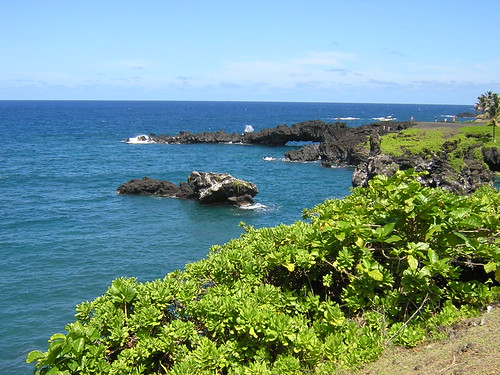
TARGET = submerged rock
x,y
205,187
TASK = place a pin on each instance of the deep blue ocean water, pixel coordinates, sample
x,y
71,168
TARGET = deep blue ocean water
x,y
64,232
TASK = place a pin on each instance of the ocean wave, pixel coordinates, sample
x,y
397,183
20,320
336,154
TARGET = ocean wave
x,y
268,158
299,162
140,139
348,118
255,206
385,118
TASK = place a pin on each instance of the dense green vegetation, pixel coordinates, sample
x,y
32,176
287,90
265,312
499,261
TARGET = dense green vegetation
x,y
388,264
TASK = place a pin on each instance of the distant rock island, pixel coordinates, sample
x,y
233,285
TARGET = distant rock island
x,y
205,187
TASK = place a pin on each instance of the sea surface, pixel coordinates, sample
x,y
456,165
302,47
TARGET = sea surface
x,y
64,232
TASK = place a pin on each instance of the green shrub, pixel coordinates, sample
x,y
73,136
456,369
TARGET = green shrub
x,y
388,264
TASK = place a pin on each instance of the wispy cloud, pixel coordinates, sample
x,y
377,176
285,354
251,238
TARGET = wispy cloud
x,y
311,66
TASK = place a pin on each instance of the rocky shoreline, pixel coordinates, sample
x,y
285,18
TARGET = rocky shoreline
x,y
335,143
340,145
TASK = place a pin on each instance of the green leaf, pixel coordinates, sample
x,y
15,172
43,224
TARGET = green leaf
x,y
78,345
388,228
289,266
340,236
360,242
376,275
432,255
393,238
425,272
251,332
412,262
57,336
34,355
490,267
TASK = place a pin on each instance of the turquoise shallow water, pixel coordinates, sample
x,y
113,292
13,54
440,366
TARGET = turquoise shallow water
x,y
65,233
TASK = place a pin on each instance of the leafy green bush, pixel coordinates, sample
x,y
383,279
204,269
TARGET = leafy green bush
x,y
388,264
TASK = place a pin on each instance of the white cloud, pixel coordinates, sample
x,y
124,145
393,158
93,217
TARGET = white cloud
x,y
313,66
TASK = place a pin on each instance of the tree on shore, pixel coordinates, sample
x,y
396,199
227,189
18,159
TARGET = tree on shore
x,y
488,104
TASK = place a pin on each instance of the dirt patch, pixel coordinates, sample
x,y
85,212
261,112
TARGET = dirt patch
x,y
472,348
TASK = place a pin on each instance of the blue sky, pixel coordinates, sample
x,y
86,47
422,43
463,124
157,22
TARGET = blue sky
x,y
436,51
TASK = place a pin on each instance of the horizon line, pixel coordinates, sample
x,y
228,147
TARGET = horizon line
x,y
219,101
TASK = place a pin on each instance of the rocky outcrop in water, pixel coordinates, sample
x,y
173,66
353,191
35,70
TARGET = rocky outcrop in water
x,y
205,187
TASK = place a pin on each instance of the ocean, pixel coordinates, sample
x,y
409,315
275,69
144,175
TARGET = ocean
x,y
64,232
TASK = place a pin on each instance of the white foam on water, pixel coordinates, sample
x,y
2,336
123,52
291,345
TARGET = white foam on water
x,y
255,206
268,158
385,118
140,139
348,118
249,129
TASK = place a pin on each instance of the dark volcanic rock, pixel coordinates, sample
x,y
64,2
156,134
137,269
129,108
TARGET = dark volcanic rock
x,y
439,171
306,153
467,114
375,165
492,158
207,188
150,186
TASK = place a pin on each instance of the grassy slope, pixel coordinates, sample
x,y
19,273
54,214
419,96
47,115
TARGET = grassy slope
x,y
428,138
472,347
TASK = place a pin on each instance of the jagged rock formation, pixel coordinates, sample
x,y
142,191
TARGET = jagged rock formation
x,y
205,187
338,143
440,172
213,188
306,153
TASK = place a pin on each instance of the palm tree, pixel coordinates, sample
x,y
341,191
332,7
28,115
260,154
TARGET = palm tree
x,y
488,105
